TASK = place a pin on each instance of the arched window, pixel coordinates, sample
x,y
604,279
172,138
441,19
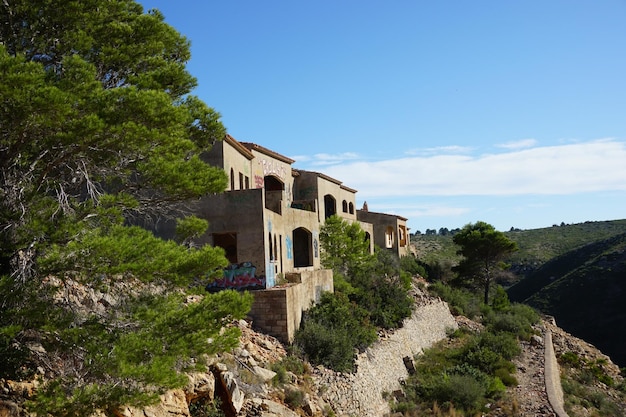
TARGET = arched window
x,y
302,247
389,238
232,179
344,206
273,193
330,206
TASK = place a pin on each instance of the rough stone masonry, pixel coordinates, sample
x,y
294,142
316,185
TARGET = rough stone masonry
x,y
381,367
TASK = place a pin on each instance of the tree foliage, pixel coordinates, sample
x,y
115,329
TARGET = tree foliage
x,y
483,249
371,290
97,125
95,101
345,247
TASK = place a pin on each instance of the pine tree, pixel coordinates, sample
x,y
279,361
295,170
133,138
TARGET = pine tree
x,y
97,124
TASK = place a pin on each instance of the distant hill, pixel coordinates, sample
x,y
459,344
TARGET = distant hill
x,y
576,273
585,290
536,246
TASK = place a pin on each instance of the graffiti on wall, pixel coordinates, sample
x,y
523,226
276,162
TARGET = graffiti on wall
x,y
273,168
289,244
240,276
259,181
270,273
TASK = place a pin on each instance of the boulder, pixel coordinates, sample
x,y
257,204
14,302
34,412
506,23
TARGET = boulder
x,y
265,374
201,385
173,404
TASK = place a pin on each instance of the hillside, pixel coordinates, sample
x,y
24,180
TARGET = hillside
x,y
585,289
536,246
576,273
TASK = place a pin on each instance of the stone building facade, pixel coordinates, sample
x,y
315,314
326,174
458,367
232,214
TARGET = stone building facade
x,y
271,213
389,231
268,223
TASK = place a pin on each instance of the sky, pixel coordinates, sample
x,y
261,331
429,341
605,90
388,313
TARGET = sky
x,y
444,112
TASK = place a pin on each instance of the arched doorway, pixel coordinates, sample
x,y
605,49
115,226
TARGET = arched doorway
x,y
302,248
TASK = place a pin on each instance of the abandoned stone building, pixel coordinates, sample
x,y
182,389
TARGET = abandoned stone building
x,y
268,222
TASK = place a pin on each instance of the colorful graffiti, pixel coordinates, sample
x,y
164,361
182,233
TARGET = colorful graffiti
x,y
238,277
271,167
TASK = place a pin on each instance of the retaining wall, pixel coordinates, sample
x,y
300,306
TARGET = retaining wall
x,y
380,369
278,311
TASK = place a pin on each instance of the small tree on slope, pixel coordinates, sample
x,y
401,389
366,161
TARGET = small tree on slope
x,y
483,249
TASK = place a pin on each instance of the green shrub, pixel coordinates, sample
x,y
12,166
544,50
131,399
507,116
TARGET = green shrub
x,y
570,359
289,363
294,398
386,300
404,407
496,388
505,344
411,265
205,407
462,391
505,376
483,358
326,346
332,330
461,301
517,320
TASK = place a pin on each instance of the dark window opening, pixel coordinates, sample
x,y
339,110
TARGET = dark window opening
x,y
302,248
228,242
273,194
330,206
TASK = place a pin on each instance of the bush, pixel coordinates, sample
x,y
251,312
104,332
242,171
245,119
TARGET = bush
x,y
462,302
386,300
294,398
462,391
505,376
517,320
505,344
571,359
411,265
332,331
289,363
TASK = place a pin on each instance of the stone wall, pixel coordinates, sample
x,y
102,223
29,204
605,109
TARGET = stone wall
x,y
381,367
278,311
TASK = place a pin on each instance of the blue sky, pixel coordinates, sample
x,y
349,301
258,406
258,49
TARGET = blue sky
x,y
444,112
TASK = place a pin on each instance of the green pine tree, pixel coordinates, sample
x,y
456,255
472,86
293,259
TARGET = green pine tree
x,y
98,124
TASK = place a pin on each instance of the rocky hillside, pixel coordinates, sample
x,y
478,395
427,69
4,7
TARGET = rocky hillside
x,y
585,289
260,378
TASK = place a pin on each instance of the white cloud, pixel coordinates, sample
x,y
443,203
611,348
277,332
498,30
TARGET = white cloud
x,y
564,169
322,159
519,144
452,149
